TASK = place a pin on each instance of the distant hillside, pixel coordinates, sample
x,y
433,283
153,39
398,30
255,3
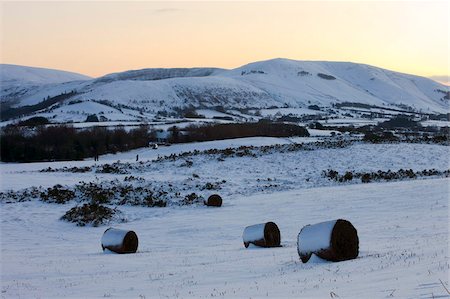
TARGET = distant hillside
x,y
17,74
273,83
17,81
159,74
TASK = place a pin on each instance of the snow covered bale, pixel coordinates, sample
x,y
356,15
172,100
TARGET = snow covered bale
x,y
214,201
119,241
263,235
335,240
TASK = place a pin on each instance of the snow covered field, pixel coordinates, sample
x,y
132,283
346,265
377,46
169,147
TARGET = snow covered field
x,y
197,252
12,174
270,172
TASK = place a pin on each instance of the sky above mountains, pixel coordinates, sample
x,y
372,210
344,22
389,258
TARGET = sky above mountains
x,y
95,38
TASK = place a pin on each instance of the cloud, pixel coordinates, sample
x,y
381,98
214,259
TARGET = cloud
x,y
442,79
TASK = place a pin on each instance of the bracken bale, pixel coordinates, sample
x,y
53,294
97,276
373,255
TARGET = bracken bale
x,y
214,201
335,241
119,241
263,235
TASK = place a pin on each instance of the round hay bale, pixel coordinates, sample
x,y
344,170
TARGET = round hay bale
x,y
335,241
214,201
119,241
263,235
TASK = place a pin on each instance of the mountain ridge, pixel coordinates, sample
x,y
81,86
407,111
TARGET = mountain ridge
x,y
277,82
37,75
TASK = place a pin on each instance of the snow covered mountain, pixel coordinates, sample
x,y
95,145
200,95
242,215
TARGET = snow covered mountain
x,y
272,83
17,81
17,74
159,74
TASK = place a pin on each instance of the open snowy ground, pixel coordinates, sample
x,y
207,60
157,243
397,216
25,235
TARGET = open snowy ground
x,y
198,251
195,251
12,174
265,172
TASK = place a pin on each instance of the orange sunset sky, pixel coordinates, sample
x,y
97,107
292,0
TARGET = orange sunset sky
x,y
96,38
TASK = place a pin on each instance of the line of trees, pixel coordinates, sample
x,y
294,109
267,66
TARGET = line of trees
x,y
235,130
56,143
7,112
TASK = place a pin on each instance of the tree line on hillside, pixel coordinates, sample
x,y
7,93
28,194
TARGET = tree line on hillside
x,y
20,143
235,130
7,112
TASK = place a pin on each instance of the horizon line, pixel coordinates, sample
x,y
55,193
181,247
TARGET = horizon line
x,y
440,78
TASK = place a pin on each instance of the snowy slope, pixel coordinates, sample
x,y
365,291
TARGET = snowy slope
x,y
35,75
273,83
290,80
16,81
160,74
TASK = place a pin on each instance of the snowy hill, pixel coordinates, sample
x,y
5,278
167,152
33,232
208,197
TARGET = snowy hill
x,y
273,83
17,81
16,74
159,74
324,82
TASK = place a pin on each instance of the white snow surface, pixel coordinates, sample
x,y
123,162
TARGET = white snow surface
x,y
313,238
12,174
197,252
403,230
269,173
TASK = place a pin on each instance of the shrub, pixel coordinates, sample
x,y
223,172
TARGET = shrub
x,y
57,194
314,107
348,176
92,118
316,125
378,137
150,201
366,178
212,186
11,196
90,213
111,168
303,73
331,174
326,77
187,163
191,113
34,121
191,199
95,192
400,121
